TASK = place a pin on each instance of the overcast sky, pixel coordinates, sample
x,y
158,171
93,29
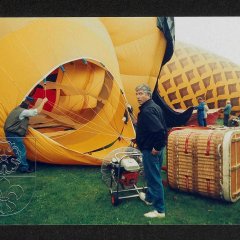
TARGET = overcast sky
x,y
220,35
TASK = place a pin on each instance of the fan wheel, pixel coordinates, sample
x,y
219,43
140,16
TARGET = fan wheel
x,y
114,199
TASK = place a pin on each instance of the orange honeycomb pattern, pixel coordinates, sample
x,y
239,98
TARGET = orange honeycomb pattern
x,y
193,73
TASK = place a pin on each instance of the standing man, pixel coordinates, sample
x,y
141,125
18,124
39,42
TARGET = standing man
x,y
227,111
205,114
200,112
15,128
151,137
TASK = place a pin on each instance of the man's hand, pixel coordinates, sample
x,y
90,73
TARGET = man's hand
x,y
45,100
40,107
154,151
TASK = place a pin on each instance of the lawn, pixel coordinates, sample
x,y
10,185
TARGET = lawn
x,y
77,195
58,194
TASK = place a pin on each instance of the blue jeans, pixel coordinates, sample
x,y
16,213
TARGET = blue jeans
x,y
205,122
19,149
152,168
225,120
201,121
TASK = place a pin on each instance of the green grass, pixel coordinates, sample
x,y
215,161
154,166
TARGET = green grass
x,y
77,195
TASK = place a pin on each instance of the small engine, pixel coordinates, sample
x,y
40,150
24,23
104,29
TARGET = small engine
x,y
127,170
122,171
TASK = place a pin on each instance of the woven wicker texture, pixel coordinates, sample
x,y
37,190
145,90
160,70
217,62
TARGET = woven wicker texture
x,y
195,162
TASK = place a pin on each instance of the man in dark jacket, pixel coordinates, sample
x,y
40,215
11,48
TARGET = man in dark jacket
x,y
15,128
200,112
227,111
151,138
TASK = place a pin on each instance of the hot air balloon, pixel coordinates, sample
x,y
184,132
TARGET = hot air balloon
x,y
193,72
73,63
143,46
88,69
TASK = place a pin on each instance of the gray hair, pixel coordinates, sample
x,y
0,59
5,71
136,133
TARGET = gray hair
x,y
145,88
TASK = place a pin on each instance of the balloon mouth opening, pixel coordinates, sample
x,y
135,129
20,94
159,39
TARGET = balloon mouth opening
x,y
83,101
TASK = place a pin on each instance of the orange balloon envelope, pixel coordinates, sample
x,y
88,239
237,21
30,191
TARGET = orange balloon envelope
x,y
88,70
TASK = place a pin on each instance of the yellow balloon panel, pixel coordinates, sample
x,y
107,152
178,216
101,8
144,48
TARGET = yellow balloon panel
x,y
136,27
140,48
9,25
71,132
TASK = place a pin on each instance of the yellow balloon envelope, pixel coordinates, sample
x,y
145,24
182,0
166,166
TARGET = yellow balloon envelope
x,y
86,105
87,68
140,47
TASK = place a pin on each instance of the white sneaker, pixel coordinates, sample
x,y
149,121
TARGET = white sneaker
x,y
142,196
154,214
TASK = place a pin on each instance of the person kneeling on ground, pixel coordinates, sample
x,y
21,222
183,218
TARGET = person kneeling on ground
x,y
15,128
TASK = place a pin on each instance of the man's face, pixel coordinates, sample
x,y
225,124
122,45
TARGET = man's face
x,y
142,97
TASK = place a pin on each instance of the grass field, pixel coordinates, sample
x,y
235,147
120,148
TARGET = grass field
x,y
77,195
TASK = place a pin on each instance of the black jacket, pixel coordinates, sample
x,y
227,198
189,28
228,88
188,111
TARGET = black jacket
x,y
151,127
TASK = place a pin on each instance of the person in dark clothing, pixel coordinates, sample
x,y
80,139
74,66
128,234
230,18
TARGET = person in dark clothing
x,y
200,112
15,128
151,138
227,111
206,109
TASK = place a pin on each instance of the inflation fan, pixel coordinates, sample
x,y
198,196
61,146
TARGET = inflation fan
x,y
121,170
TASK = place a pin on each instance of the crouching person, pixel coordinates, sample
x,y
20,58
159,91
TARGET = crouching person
x,y
15,128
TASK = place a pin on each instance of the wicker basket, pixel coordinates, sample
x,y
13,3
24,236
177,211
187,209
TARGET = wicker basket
x,y
205,161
